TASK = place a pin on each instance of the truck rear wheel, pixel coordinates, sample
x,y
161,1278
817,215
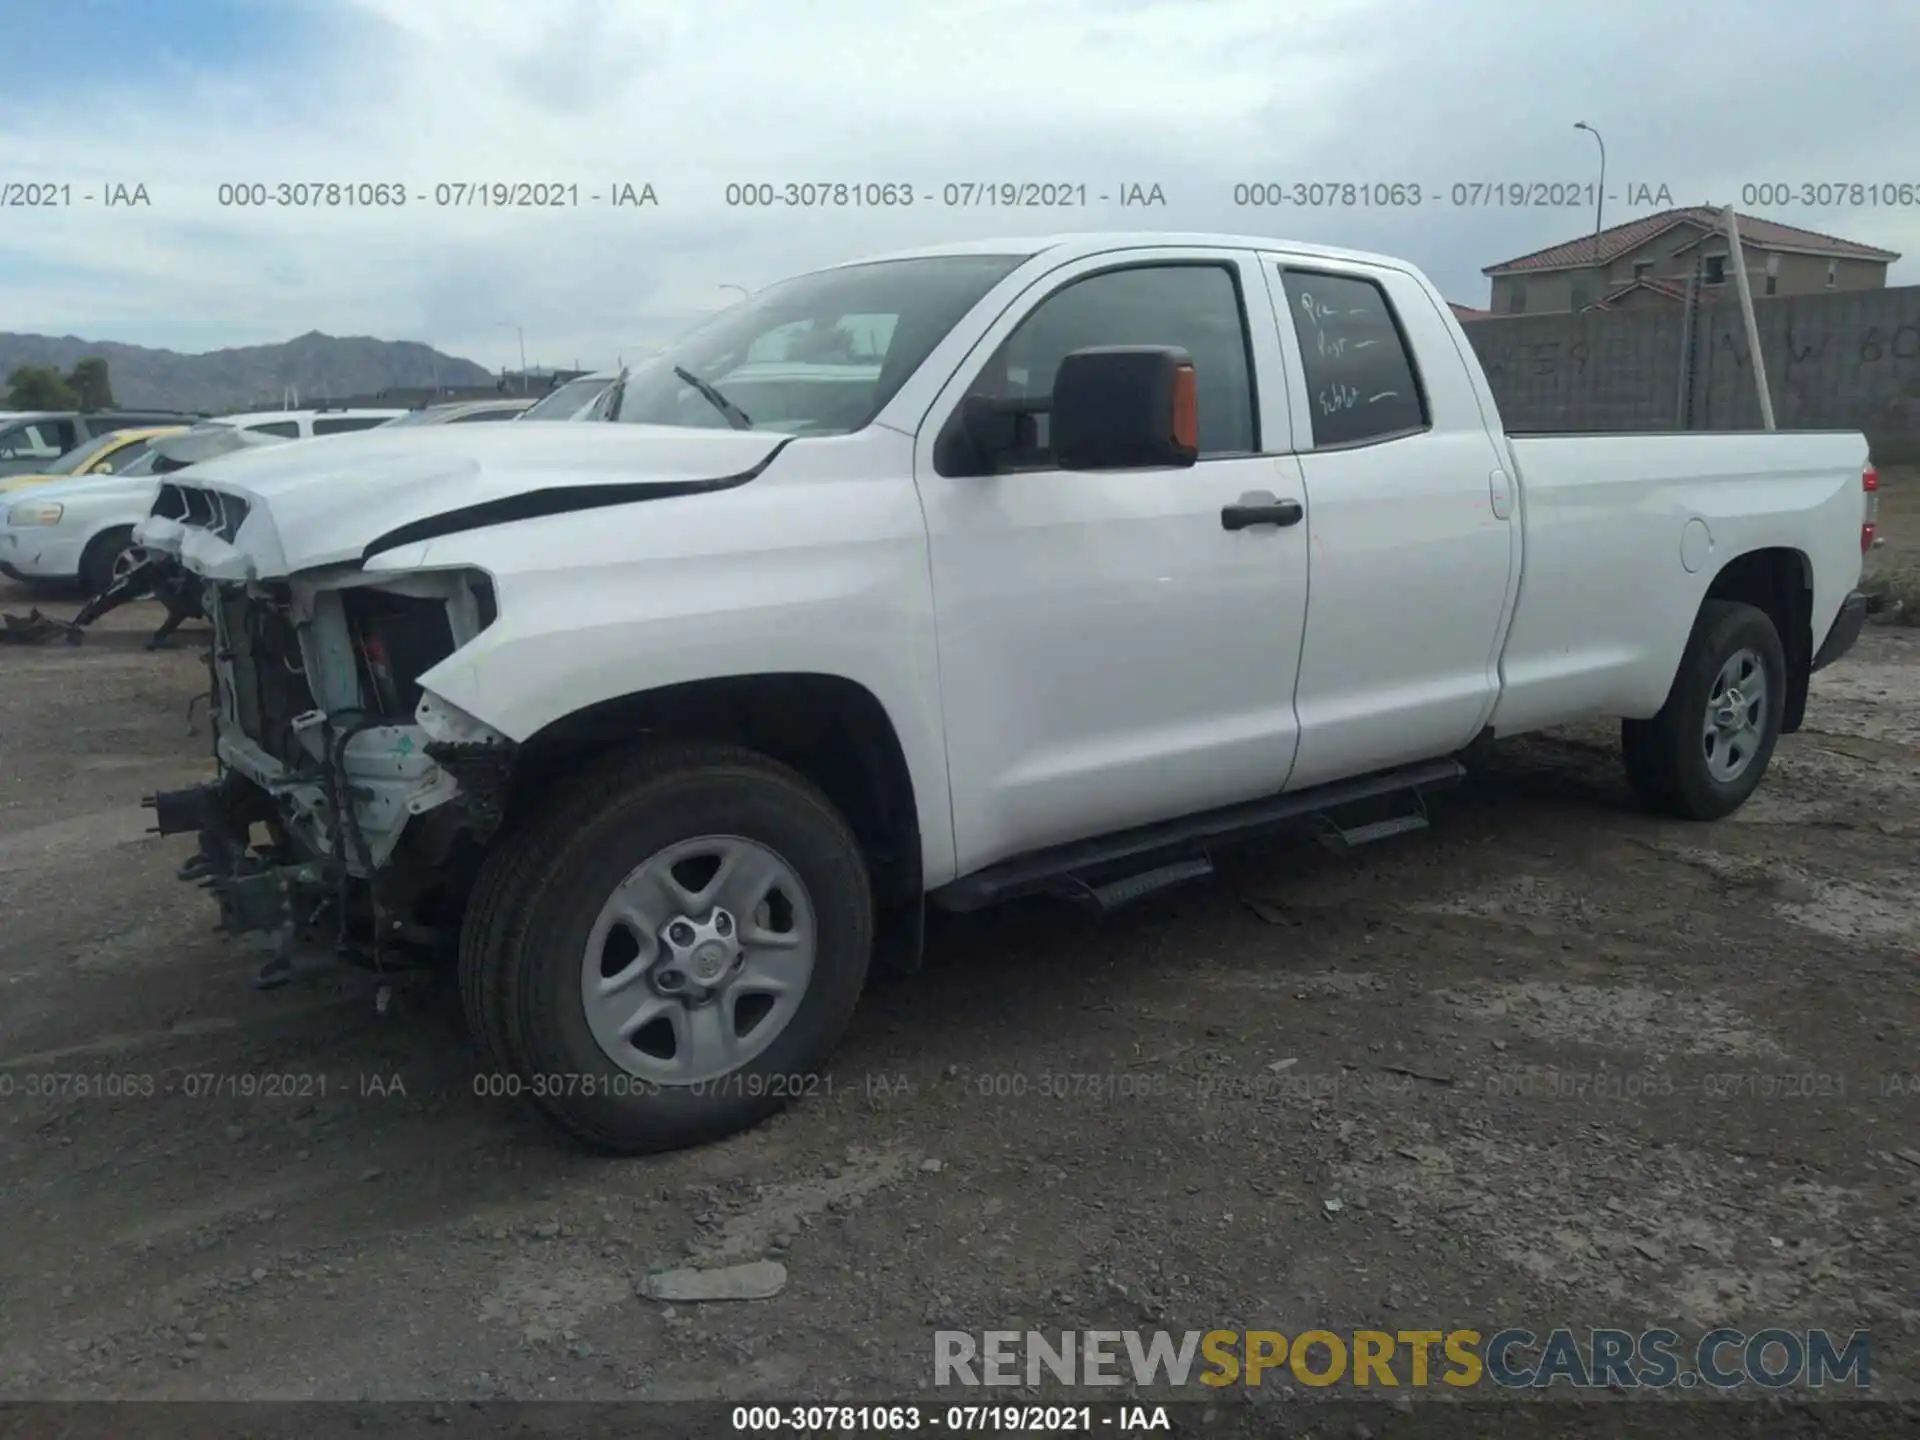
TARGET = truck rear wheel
x,y
1707,749
670,951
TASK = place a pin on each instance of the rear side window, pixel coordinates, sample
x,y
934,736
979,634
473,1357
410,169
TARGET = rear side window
x,y
1361,382
343,423
287,429
477,416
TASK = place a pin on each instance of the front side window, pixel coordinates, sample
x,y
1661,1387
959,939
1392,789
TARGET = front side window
x,y
286,429
1361,382
474,417
1194,307
81,457
341,424
820,354
118,460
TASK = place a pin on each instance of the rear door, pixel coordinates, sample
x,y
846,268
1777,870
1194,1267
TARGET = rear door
x,y
1414,538
1111,653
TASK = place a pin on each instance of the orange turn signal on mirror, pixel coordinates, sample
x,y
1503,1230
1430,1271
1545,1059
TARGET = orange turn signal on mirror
x,y
1186,408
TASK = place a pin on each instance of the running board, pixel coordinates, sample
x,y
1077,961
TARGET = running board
x,y
1105,899
1151,852
1345,838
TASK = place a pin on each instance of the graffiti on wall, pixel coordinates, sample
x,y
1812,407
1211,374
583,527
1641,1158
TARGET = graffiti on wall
x,y
1548,359
1876,345
1834,361
1785,350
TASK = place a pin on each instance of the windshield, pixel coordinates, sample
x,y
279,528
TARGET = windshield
x,y
816,355
569,400
412,417
75,460
142,466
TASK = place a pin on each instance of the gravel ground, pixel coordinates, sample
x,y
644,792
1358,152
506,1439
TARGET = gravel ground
x,y
1551,1062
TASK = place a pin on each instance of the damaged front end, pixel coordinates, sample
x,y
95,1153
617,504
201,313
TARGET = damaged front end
x,y
351,806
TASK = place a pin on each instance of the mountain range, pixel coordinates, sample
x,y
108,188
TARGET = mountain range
x,y
316,366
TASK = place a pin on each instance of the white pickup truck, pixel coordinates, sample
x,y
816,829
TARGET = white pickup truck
x,y
1038,565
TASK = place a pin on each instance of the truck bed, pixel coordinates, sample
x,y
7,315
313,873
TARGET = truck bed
x,y
1613,521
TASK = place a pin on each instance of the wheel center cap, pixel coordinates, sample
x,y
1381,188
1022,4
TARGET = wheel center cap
x,y
710,960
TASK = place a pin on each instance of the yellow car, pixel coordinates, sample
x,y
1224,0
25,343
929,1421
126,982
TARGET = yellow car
x,y
102,455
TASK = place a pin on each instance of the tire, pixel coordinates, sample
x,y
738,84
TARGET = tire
x,y
1673,763
538,902
97,560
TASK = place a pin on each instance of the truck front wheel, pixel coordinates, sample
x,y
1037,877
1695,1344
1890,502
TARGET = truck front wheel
x,y
670,950
108,556
1704,753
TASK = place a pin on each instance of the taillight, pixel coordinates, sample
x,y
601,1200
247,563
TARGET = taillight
x,y
1870,484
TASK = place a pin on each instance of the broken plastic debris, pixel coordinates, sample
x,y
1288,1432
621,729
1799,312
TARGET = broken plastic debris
x,y
759,1280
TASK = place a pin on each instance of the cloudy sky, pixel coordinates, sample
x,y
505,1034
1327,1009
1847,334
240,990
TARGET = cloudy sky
x,y
1195,96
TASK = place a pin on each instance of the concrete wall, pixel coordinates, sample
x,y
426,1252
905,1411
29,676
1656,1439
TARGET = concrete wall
x,y
1842,360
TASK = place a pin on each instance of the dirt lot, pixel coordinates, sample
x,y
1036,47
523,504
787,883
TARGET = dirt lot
x,y
1323,1094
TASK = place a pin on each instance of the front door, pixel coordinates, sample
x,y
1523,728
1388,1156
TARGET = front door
x,y
1119,647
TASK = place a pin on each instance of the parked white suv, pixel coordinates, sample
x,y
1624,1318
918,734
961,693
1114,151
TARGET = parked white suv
x,y
81,530
1034,565
309,424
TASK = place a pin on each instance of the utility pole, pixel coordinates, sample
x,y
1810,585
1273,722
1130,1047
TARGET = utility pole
x,y
509,325
1738,258
1599,199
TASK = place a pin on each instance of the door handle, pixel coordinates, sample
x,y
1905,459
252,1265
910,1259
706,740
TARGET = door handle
x,y
1500,494
1260,509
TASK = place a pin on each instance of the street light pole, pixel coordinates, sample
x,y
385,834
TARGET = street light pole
x,y
1600,194
509,325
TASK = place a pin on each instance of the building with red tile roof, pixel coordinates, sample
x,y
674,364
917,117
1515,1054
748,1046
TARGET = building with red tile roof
x,y
1649,261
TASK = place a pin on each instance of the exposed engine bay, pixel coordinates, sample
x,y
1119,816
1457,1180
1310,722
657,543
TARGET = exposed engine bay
x,y
350,805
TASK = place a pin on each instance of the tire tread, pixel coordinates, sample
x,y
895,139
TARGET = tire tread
x,y
1661,754
507,893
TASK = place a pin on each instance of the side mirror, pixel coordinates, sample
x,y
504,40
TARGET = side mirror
x,y
998,426
105,467
1125,407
